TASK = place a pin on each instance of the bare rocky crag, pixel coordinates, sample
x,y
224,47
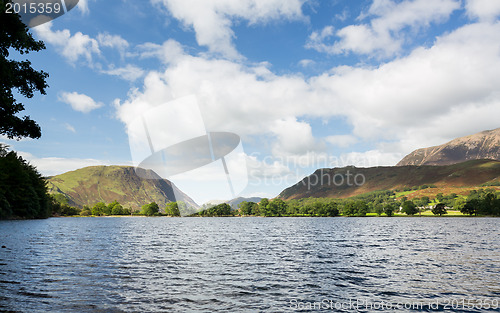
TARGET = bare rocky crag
x,y
483,145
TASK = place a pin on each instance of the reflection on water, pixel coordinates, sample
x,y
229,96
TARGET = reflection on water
x,y
243,264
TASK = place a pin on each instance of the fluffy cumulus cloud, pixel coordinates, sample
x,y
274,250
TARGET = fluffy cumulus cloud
x,y
294,137
432,95
72,47
212,19
79,102
54,166
410,93
383,33
113,41
79,46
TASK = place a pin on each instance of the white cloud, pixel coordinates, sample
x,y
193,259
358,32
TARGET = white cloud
x,y
114,42
83,6
385,33
77,46
72,47
294,137
54,166
370,158
80,102
451,88
306,63
409,94
70,127
485,10
129,72
342,141
167,53
212,19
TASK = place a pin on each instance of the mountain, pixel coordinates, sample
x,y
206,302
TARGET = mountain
x,y
93,184
351,181
483,145
236,201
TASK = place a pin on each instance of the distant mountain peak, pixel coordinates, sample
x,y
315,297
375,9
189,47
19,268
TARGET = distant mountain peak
x,y
483,145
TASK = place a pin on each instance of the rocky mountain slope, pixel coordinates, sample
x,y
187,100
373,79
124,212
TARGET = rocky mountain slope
x,y
483,145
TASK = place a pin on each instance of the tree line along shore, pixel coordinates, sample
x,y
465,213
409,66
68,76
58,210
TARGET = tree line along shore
x,y
481,202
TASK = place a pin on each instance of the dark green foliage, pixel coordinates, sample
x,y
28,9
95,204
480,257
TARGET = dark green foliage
x,y
264,202
448,200
355,208
18,75
313,207
389,208
248,208
150,209
276,207
116,208
439,209
482,202
422,202
98,209
23,193
222,209
60,207
409,208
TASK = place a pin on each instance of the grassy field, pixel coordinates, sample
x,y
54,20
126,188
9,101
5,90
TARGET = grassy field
x,y
451,213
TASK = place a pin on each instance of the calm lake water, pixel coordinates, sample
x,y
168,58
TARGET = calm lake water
x,y
249,264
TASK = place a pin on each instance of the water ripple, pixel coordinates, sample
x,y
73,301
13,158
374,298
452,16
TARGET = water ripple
x,y
245,264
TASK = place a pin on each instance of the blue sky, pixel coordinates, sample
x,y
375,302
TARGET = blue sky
x,y
305,84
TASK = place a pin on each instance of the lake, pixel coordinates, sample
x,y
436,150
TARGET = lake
x,y
139,264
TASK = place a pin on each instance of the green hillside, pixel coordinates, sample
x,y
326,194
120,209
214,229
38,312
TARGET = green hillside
x,y
90,185
333,183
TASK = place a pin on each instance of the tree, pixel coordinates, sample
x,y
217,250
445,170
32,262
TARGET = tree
x,y
331,209
247,208
222,209
172,209
390,207
379,209
116,208
264,207
98,209
17,75
470,207
439,209
355,208
459,203
277,207
23,191
422,202
86,211
150,209
409,208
